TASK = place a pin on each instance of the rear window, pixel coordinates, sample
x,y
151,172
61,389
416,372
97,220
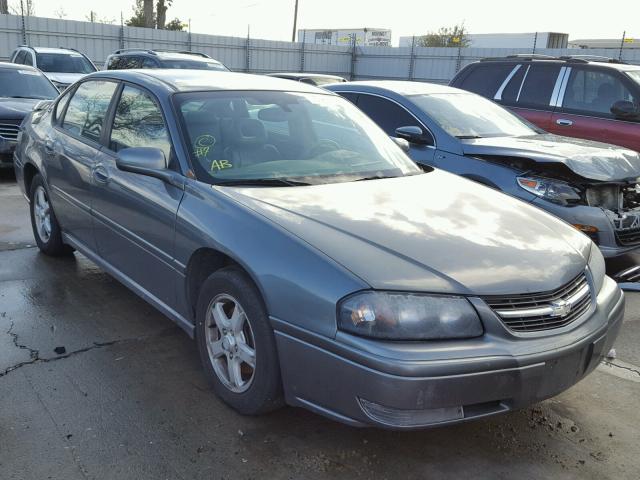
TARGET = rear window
x,y
537,88
485,79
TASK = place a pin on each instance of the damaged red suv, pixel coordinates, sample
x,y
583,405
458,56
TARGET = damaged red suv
x,y
595,98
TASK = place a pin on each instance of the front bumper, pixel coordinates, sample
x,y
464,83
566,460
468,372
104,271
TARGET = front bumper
x,y
422,384
594,216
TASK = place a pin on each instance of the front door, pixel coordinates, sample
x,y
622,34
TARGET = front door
x,y
135,214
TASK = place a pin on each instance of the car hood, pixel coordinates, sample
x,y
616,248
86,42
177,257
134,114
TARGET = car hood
x,y
16,108
433,232
589,159
66,78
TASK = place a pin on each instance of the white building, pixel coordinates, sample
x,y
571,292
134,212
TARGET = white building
x,y
510,40
629,43
380,37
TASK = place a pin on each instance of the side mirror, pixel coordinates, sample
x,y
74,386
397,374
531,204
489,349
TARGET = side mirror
x,y
413,134
148,161
402,143
624,109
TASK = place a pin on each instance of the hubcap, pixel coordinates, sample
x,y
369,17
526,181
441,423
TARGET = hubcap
x,y
42,214
230,343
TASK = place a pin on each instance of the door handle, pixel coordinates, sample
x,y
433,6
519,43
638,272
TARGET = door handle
x,y
564,122
100,174
48,145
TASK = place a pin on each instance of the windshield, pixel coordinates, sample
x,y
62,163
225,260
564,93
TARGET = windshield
x,y
466,115
16,83
635,75
64,63
194,65
238,136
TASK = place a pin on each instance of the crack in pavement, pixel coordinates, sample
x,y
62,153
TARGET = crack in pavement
x,y
35,354
630,369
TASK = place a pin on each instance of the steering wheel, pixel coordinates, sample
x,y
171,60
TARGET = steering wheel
x,y
323,145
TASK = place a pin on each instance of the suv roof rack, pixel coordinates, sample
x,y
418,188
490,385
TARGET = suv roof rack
x,y
563,58
159,50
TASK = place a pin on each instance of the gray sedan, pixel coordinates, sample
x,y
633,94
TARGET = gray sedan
x,y
314,263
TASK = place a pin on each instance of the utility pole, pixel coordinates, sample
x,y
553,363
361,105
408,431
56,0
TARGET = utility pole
x,y
295,22
624,36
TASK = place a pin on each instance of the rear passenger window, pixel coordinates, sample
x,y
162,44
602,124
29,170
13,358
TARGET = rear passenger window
x,y
138,122
537,88
511,90
485,79
87,109
149,63
352,97
28,59
114,63
20,57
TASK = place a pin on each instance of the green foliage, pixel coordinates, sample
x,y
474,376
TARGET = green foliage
x,y
137,20
176,24
455,36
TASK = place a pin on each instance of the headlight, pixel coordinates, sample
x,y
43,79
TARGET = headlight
x,y
408,316
553,190
597,267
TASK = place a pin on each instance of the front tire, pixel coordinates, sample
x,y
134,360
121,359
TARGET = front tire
x,y
236,343
46,229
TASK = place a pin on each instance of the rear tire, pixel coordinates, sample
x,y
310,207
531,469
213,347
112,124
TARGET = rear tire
x,y
46,229
236,343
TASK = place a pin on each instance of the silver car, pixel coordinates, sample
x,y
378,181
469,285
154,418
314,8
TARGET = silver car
x,y
312,261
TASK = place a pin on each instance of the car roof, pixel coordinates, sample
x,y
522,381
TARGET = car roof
x,y
51,49
574,60
16,66
198,80
301,75
401,87
164,54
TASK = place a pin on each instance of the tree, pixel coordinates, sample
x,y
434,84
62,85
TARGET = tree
x,y
161,12
455,36
4,7
137,20
147,13
176,24
29,8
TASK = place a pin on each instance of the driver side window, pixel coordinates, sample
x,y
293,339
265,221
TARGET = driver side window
x,y
594,92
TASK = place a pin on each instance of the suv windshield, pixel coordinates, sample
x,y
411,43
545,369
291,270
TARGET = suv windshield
x,y
15,83
466,115
64,63
194,65
268,137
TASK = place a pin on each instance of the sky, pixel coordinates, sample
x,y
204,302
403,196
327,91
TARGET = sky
x,y
273,19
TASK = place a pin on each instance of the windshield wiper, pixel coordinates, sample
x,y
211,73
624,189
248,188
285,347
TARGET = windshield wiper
x,y
261,182
24,96
378,177
467,137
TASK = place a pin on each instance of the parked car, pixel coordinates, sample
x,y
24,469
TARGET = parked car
x,y
62,66
21,89
317,79
595,98
137,58
312,260
591,185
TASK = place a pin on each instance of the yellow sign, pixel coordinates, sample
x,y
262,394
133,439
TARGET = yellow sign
x,y
455,39
628,40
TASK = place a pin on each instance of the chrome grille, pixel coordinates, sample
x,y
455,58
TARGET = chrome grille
x,y
630,236
543,311
8,131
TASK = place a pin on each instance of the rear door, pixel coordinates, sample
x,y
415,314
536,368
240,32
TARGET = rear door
x,y
135,214
584,111
72,150
531,91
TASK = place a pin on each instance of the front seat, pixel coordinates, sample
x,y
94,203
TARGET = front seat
x,y
247,143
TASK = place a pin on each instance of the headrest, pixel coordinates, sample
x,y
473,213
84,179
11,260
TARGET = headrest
x,y
606,90
247,131
200,118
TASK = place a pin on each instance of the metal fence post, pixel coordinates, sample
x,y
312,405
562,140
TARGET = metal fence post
x,y
459,58
189,37
121,39
304,38
535,42
352,71
247,53
24,25
624,36
412,57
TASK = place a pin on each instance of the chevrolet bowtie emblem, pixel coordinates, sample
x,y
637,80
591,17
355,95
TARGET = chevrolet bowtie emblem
x,y
560,308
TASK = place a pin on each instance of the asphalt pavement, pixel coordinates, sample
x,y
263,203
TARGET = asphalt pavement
x,y
96,384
